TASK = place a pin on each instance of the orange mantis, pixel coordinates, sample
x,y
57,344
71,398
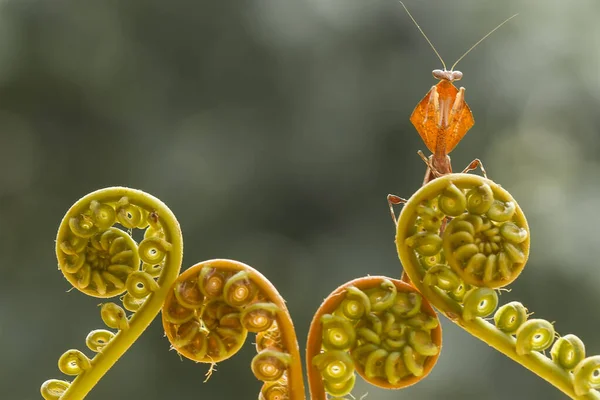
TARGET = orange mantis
x,y
442,118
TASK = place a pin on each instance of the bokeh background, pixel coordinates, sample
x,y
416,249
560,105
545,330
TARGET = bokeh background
x,y
274,129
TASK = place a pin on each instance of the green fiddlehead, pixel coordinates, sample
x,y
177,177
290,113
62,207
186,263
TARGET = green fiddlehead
x,y
378,327
459,238
210,310
207,311
98,256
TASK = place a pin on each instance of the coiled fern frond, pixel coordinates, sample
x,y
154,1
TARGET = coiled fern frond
x,y
378,327
211,309
98,256
459,238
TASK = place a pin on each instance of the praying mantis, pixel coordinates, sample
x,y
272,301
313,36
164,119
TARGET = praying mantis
x,y
442,118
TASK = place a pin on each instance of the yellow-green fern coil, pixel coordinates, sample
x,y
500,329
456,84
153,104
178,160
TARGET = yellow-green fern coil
x,y
460,238
211,308
485,237
98,255
378,327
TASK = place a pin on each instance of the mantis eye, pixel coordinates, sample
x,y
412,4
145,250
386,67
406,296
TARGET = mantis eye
x,y
456,76
439,74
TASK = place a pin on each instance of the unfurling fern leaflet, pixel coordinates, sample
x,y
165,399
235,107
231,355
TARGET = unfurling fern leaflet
x,y
459,238
207,311
98,256
378,327
212,307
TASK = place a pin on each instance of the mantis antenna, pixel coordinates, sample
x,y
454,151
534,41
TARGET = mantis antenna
x,y
482,39
425,36
467,52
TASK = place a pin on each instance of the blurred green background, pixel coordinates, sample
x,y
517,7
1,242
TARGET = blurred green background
x,y
274,129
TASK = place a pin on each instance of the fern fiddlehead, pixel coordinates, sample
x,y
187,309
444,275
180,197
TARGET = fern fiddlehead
x,y
378,327
207,311
460,237
98,256
212,307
